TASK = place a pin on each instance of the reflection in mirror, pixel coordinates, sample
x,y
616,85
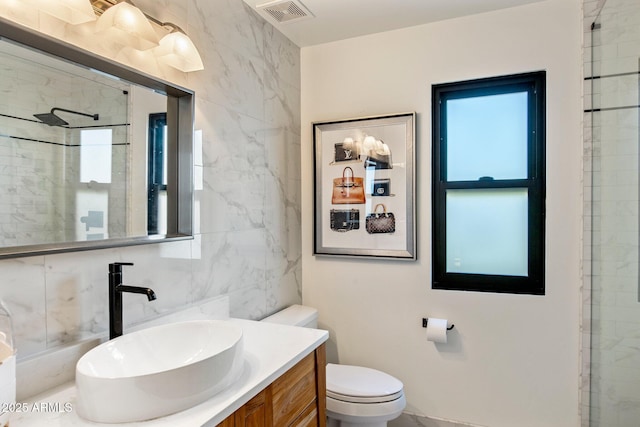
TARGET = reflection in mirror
x,y
87,158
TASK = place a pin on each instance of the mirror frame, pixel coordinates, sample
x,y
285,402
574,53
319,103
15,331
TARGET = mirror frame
x,y
180,125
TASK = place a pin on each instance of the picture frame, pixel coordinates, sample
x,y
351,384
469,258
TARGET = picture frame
x,y
364,187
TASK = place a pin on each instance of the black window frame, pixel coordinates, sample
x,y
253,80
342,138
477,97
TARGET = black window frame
x,y
155,169
535,84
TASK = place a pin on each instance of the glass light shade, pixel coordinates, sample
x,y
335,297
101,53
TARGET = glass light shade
x,y
71,11
177,50
127,25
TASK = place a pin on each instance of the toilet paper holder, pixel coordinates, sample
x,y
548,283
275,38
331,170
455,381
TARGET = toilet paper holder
x,y
425,320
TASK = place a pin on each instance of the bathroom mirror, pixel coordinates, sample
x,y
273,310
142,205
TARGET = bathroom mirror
x,y
93,154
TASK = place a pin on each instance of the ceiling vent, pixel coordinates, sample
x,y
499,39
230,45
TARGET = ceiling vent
x,y
284,12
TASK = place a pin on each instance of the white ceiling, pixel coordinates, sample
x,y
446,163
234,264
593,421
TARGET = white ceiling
x,y
342,19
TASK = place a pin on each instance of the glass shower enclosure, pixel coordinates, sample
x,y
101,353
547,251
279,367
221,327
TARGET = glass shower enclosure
x,y
613,227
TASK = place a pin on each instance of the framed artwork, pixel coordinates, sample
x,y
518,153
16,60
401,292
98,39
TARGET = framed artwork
x,y
365,187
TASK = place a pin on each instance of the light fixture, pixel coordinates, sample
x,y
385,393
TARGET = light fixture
x,y
128,25
177,50
122,23
71,11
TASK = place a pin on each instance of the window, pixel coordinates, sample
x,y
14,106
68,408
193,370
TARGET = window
x,y
489,184
95,155
157,174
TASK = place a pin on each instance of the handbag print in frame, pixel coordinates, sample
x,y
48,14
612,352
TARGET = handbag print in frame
x,y
348,190
391,234
383,222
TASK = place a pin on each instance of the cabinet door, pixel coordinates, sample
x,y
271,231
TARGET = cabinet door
x,y
229,421
296,399
308,417
257,412
294,391
299,395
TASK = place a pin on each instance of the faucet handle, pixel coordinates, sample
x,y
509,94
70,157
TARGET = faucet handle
x,y
116,267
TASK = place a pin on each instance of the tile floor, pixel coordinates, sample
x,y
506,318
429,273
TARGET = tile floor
x,y
406,420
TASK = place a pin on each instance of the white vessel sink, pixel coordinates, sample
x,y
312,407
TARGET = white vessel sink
x,y
158,371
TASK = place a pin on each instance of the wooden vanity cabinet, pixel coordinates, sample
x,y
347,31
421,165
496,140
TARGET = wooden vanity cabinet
x,y
297,398
254,413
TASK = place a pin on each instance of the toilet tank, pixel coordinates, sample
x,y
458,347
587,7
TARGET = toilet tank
x,y
295,315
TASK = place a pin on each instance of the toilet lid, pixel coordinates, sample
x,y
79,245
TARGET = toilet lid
x,y
357,383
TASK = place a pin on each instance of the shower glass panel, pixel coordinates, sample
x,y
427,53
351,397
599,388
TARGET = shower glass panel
x,y
615,295
59,127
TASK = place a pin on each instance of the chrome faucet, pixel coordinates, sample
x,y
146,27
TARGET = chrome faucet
x,y
116,288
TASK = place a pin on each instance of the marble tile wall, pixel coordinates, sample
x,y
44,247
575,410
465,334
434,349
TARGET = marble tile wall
x,y
28,206
247,212
611,322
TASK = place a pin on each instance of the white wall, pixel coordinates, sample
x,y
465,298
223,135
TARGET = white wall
x,y
512,360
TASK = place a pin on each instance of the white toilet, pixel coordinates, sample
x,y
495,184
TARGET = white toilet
x,y
356,396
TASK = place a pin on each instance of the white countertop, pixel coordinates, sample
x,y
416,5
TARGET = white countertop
x,y
269,351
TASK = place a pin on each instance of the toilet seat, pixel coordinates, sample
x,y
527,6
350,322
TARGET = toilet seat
x,y
367,414
358,384
356,399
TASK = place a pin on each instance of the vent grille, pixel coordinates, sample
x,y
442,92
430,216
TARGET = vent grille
x,y
284,11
